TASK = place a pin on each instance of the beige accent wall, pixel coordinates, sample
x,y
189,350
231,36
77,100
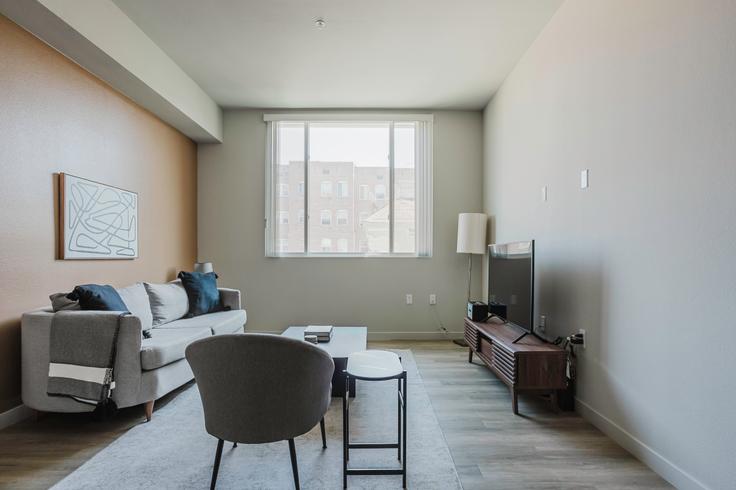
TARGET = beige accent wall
x,y
55,117
643,94
371,291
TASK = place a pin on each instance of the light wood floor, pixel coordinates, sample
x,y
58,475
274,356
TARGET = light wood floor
x,y
491,447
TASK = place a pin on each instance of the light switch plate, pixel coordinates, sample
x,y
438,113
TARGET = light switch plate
x,y
584,179
544,193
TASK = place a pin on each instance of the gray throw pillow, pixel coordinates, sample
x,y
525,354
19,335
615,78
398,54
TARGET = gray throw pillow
x,y
60,302
169,301
136,299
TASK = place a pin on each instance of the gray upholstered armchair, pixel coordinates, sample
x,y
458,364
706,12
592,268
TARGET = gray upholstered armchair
x,y
258,388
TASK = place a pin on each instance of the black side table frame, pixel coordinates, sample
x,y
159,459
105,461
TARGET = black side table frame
x,y
401,434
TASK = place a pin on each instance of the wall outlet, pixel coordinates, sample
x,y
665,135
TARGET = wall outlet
x,y
542,323
584,178
432,299
409,299
585,337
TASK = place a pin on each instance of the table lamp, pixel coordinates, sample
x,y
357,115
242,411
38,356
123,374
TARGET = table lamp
x,y
203,267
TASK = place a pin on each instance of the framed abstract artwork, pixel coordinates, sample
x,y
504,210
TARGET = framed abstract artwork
x,y
96,221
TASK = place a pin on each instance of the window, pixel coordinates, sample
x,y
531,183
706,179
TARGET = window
x,y
381,165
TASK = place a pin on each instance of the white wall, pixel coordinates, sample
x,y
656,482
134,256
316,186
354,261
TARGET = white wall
x,y
283,291
643,94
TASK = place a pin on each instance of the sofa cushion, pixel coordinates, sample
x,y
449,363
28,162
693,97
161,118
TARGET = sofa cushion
x,y
202,292
219,323
167,345
168,301
60,302
135,298
97,297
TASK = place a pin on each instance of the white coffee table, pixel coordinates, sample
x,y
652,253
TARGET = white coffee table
x,y
345,341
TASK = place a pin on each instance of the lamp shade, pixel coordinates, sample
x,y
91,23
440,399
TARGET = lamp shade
x,y
204,267
471,233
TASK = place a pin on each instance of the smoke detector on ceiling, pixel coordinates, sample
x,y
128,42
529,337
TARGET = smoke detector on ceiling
x,y
320,23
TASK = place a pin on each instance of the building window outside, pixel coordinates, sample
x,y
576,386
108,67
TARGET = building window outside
x,y
283,217
325,189
363,192
326,244
283,190
380,192
342,216
325,217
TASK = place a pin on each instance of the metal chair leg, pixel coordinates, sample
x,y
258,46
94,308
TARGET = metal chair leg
x,y
235,444
216,468
324,436
294,468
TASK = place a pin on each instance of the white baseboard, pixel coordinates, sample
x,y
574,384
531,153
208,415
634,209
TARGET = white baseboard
x,y
661,465
414,335
14,415
432,335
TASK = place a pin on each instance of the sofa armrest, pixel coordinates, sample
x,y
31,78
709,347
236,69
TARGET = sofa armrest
x,y
231,298
35,335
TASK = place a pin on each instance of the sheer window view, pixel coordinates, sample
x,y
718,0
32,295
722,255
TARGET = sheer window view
x,y
361,187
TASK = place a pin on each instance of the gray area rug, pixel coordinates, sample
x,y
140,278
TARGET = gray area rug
x,y
173,451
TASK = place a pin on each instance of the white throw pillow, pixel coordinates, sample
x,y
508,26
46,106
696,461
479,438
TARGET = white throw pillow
x,y
169,301
136,299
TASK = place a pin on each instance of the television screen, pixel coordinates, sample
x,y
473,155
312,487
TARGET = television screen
x,y
511,282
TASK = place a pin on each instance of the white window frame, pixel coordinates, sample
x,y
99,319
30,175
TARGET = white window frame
x,y
423,179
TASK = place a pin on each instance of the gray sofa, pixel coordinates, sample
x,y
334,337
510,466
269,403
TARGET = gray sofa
x,y
145,368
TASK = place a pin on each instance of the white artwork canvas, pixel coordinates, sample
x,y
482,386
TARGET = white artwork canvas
x,y
97,221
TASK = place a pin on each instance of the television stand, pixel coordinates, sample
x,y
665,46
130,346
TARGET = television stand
x,y
526,364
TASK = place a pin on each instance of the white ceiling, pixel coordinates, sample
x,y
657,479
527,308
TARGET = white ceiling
x,y
372,53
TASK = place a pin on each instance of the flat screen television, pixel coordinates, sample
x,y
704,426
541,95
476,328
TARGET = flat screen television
x,y
511,284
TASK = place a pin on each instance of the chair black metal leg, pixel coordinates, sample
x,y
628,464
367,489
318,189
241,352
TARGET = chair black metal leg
x,y
216,468
235,444
294,468
324,436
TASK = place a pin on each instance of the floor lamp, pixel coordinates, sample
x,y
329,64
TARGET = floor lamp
x,y
471,239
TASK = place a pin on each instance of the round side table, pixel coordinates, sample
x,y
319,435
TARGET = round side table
x,y
375,365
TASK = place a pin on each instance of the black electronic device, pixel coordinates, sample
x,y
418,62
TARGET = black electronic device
x,y
477,311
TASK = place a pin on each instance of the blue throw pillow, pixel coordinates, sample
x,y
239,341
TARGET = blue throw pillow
x,y
201,288
96,297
